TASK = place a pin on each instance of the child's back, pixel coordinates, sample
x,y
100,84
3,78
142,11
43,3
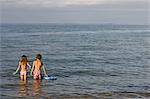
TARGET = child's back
x,y
36,67
37,64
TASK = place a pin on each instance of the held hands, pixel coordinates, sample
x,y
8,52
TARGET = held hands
x,y
29,67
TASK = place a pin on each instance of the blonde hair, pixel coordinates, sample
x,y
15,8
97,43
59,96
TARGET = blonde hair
x,y
39,56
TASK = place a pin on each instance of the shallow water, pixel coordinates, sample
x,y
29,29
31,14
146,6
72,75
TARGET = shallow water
x,y
88,60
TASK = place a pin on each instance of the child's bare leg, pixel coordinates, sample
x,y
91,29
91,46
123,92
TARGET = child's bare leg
x,y
25,77
40,77
35,77
21,77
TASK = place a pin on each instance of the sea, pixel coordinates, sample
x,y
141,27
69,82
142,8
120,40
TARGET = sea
x,y
90,61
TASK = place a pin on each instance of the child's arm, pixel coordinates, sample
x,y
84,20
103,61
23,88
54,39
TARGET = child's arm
x,y
32,68
29,65
43,67
17,68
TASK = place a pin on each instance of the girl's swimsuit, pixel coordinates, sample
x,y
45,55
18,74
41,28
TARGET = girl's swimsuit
x,y
36,73
23,72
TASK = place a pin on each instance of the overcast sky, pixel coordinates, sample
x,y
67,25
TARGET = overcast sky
x,y
76,11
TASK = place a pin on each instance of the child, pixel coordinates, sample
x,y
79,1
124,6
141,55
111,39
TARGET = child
x,y
23,65
37,64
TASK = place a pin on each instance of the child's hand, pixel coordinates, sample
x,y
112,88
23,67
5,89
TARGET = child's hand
x,y
46,75
31,74
14,73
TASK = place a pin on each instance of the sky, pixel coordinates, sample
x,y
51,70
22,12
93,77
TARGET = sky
x,y
75,11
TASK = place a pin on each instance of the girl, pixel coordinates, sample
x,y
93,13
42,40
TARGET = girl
x,y
22,66
37,65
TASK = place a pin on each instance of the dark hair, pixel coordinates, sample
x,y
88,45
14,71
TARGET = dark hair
x,y
23,56
38,56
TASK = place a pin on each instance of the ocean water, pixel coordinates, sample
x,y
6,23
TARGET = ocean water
x,y
89,61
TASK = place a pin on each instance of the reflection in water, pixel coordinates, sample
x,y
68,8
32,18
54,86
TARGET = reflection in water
x,y
30,89
23,88
36,87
